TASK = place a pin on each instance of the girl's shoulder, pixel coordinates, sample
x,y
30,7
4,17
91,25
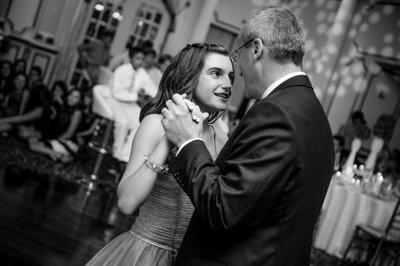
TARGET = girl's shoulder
x,y
152,119
149,133
151,125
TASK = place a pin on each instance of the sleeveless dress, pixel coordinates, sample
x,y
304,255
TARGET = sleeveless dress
x,y
157,232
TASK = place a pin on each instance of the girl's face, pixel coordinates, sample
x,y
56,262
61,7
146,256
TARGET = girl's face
x,y
58,92
34,76
137,60
215,83
20,66
74,98
148,61
20,82
164,65
6,70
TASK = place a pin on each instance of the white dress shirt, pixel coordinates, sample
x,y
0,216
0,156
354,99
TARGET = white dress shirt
x,y
127,83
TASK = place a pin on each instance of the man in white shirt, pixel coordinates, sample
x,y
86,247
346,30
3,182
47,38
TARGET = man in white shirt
x,y
129,80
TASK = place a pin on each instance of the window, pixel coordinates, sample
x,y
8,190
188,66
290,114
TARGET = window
x,y
145,26
105,16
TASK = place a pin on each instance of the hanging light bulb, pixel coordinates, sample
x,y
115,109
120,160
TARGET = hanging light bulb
x,y
117,15
99,7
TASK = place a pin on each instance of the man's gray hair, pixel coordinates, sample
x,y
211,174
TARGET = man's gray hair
x,y
281,32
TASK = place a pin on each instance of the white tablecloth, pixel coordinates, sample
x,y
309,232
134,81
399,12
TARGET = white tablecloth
x,y
344,207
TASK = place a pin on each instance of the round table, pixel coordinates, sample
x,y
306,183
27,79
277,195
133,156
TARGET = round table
x,y
344,207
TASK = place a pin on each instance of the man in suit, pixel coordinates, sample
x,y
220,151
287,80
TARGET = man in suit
x,y
258,203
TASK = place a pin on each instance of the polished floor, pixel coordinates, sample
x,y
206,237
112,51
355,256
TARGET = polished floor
x,y
49,219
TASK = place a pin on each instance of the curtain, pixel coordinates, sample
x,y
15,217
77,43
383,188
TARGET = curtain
x,y
70,41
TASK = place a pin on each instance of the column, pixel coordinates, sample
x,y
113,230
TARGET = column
x,y
334,45
204,19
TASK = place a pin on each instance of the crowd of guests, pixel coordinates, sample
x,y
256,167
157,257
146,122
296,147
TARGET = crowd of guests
x,y
356,127
48,119
57,120
136,74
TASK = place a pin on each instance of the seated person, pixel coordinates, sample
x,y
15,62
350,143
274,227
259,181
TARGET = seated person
x,y
158,69
149,60
37,105
89,121
6,75
15,97
64,146
338,143
47,126
131,84
352,129
35,76
20,66
6,28
163,62
59,93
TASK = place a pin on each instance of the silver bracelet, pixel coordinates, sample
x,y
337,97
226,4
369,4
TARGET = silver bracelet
x,y
155,167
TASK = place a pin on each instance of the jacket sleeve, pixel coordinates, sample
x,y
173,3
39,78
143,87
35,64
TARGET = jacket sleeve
x,y
251,174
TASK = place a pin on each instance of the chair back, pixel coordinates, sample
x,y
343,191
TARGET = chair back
x,y
101,93
393,229
100,105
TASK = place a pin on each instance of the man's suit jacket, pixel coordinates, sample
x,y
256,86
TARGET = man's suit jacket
x,y
258,203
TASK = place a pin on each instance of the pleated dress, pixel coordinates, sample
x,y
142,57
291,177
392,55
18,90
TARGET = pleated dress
x,y
157,233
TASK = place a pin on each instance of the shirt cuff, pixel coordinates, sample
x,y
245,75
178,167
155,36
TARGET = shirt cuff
x,y
185,143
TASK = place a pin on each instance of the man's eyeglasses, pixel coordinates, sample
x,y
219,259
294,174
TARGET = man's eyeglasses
x,y
235,55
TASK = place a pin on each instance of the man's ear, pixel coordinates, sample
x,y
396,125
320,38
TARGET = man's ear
x,y
258,49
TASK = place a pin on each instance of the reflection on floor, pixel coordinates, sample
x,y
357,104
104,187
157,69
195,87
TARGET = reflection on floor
x,y
45,220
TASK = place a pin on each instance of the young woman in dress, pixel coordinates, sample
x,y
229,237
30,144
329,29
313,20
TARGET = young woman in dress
x,y
204,72
63,147
16,96
6,76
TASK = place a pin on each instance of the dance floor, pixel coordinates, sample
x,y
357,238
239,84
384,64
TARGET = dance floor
x,y
47,219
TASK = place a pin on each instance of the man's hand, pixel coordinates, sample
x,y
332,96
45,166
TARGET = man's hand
x,y
182,120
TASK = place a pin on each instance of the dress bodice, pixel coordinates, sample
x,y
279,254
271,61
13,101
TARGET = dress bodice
x,y
164,217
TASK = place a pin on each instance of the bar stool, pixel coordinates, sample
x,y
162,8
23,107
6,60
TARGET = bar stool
x,y
104,113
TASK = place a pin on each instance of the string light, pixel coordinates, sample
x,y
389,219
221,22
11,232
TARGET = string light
x,y
99,7
117,15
